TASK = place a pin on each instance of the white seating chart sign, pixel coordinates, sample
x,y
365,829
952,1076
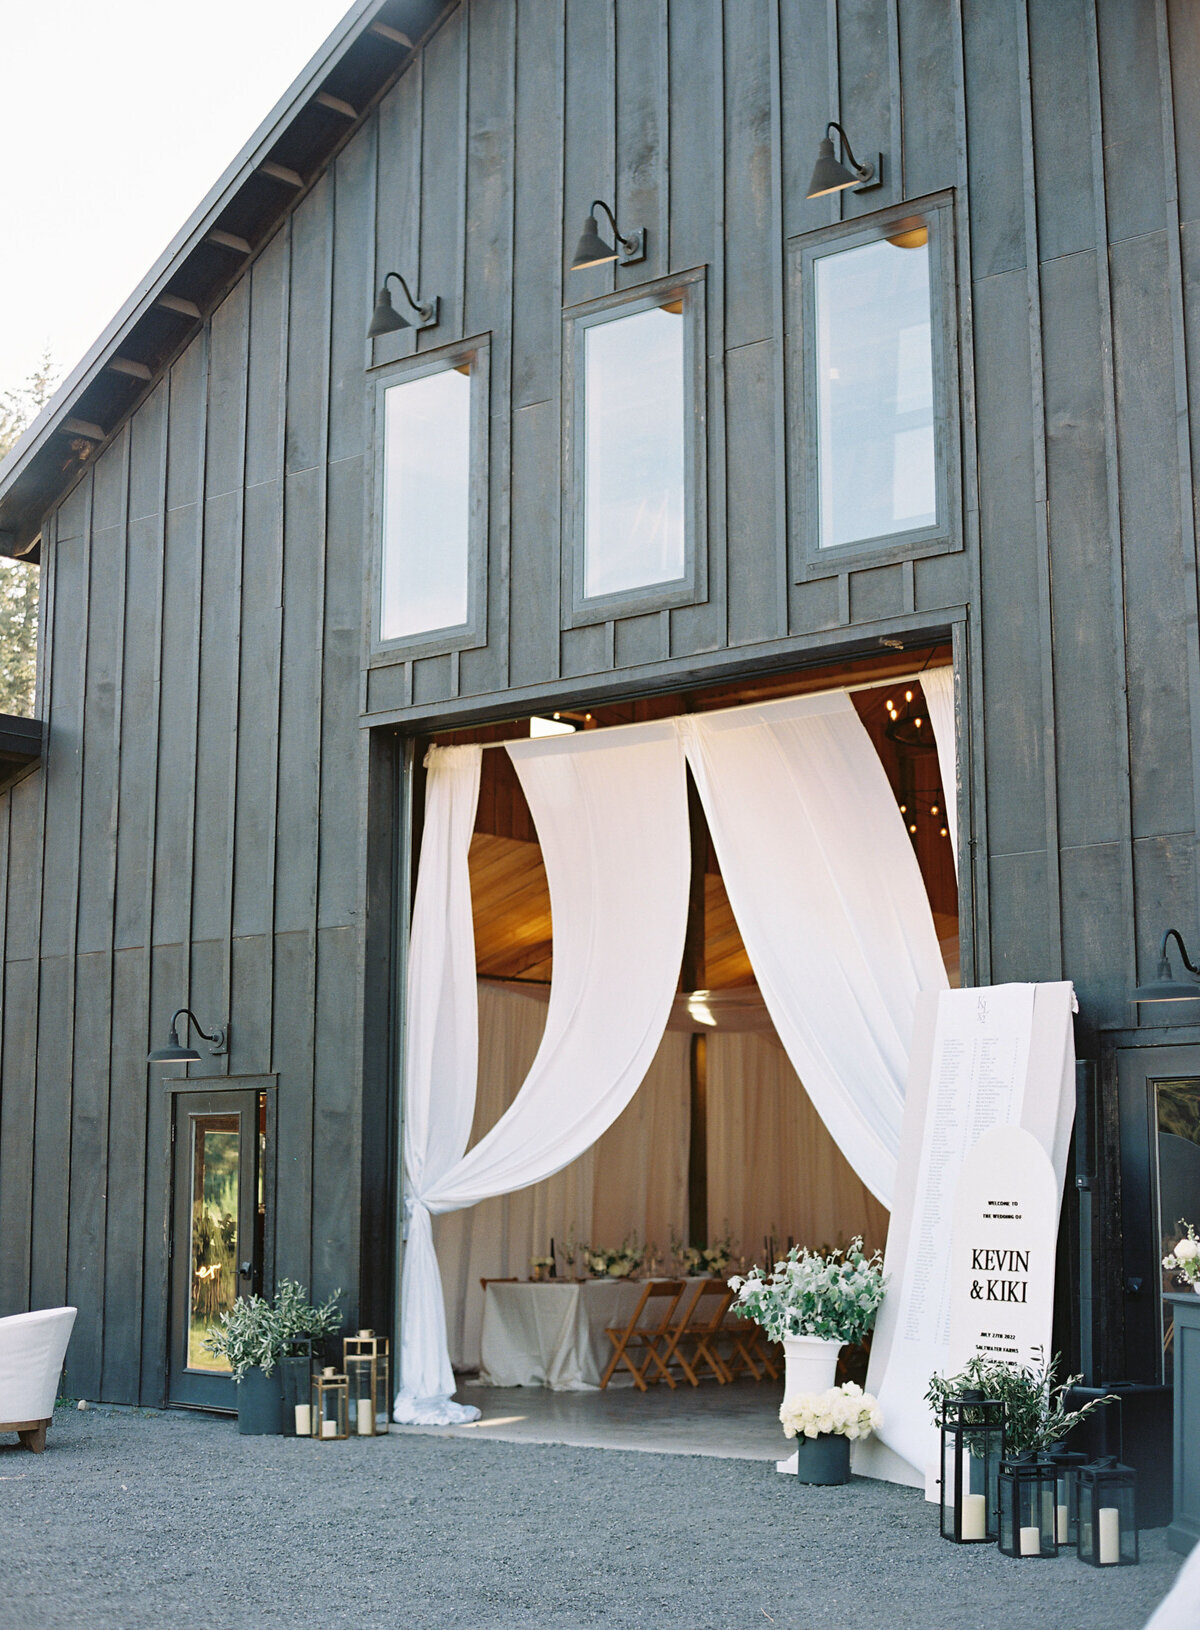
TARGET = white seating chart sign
x,y
1002,1249
993,1056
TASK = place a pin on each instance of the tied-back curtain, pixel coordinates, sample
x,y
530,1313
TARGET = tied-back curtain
x,y
827,893
938,685
611,815
441,1053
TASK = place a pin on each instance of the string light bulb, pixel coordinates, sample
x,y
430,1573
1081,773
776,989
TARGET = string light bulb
x,y
913,827
908,696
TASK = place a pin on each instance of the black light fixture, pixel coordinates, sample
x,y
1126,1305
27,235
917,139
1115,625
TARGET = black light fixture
x,y
829,175
176,1052
387,320
591,250
1164,987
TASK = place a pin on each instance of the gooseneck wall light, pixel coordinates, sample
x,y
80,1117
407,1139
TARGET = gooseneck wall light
x,y
386,319
591,250
176,1052
1164,987
830,175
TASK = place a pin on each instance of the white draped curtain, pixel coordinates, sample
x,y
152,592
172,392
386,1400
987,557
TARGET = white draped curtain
x,y
830,902
938,685
825,888
611,814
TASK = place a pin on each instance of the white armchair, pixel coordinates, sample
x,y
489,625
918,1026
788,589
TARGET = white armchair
x,y
32,1349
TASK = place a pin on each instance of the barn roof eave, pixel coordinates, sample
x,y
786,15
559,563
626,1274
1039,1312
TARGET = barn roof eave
x,y
363,55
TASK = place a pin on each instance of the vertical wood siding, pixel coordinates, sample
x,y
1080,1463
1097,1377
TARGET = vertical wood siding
x,y
212,825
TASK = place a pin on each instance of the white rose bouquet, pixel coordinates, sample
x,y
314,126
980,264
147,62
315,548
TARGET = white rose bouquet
x,y
846,1411
835,1296
1185,1258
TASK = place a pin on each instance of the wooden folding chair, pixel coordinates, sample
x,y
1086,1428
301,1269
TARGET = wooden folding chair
x,y
696,1332
749,1349
643,1338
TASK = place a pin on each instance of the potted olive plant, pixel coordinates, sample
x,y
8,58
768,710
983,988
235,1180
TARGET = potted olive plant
x,y
255,1335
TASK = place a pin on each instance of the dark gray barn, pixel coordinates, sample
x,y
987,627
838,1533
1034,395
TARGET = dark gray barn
x,y
222,815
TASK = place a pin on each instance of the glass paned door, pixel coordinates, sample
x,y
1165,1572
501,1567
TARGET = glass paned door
x,y
1175,1108
216,1236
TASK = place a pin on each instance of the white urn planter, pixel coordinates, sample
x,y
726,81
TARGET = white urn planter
x,y
810,1364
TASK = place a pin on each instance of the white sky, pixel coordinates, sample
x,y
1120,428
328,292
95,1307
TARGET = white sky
x,y
116,118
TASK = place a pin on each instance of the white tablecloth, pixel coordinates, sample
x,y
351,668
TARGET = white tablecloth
x,y
552,1334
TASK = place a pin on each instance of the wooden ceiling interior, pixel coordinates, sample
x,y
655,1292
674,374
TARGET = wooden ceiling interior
x,y
510,895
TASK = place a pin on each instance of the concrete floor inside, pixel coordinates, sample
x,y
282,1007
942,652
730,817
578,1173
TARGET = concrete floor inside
x,y
735,1422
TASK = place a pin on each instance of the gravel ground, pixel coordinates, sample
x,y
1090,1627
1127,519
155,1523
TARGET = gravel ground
x,y
135,1519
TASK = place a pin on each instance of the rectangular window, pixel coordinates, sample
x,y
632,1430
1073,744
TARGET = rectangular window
x,y
431,485
634,456
875,312
635,434
425,583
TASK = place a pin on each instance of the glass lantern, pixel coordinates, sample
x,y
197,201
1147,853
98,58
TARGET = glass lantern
x,y
295,1382
1028,1490
1066,1463
375,1386
972,1447
330,1400
1108,1534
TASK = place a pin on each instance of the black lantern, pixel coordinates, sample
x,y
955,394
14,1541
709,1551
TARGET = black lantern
x,y
1066,1463
972,1448
1108,1534
1028,1484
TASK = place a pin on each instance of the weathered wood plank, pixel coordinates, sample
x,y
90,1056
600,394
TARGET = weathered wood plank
x,y
748,175
1062,126
16,1133
87,1191
1156,638
124,1211
443,134
1133,135
995,168
754,610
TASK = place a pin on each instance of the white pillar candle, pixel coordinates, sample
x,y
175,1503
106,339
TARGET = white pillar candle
x,y
304,1420
1110,1535
974,1516
1031,1541
366,1417
1062,1525
329,1429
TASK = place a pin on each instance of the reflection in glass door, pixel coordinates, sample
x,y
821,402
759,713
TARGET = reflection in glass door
x,y
216,1236
214,1232
1175,1112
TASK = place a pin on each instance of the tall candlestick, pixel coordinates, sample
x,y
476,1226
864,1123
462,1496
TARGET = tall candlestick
x,y
304,1420
1031,1541
1110,1534
366,1418
1062,1526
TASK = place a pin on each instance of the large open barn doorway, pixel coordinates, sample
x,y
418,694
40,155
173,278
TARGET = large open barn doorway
x,y
721,1145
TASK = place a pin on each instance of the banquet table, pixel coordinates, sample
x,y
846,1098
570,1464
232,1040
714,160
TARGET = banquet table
x,y
552,1334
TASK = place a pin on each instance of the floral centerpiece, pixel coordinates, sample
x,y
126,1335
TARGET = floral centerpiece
x,y
618,1264
833,1296
711,1261
541,1266
846,1411
1184,1258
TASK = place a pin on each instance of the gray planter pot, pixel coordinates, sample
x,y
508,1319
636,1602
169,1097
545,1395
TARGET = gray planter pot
x,y
259,1404
823,1459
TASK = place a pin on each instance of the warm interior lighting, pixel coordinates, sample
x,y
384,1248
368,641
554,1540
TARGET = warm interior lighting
x,y
910,233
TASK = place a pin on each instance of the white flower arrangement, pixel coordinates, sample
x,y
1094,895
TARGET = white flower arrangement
x,y
618,1264
835,1296
846,1411
709,1260
1185,1258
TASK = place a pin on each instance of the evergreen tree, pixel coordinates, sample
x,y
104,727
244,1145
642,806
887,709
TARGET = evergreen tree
x,y
19,581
